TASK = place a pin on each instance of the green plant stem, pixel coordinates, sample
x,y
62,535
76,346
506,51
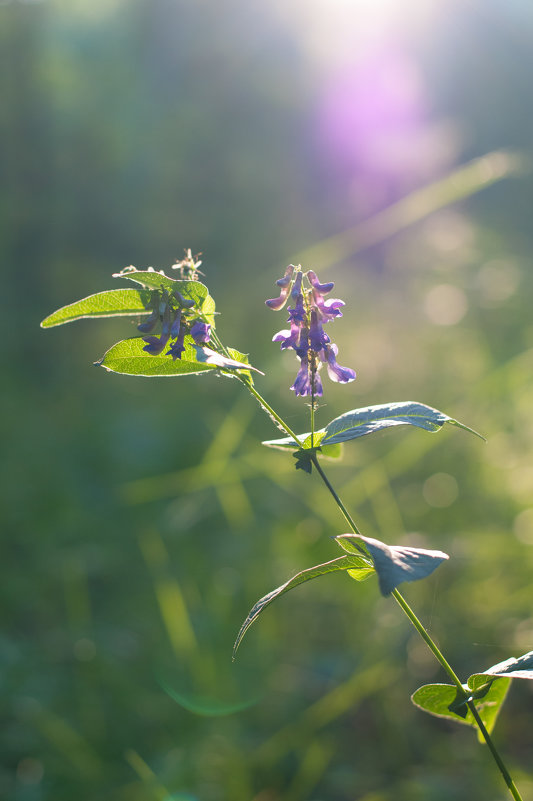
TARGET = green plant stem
x,y
414,620
313,413
347,516
432,645
513,789
270,411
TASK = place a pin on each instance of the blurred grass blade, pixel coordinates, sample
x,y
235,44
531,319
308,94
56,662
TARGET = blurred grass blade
x,y
457,185
113,303
350,562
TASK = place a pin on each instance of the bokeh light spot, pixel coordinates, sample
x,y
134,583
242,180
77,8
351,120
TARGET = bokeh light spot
x,y
497,281
445,304
523,526
30,771
440,490
84,650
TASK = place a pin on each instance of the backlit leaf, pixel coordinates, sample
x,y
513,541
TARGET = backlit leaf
x,y
190,290
441,699
395,564
113,303
129,358
370,419
348,562
520,668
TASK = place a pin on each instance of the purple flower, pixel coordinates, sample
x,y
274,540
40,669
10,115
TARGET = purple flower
x,y
284,283
149,324
343,375
318,339
177,347
329,309
156,344
176,324
322,289
296,290
302,382
186,303
307,316
201,332
288,339
297,314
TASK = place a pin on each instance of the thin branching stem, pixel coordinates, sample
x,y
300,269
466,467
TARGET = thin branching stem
x,y
398,597
415,621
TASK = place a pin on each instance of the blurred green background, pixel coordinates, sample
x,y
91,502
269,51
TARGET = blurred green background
x,y
142,518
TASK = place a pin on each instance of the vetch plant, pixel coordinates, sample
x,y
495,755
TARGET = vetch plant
x,y
177,336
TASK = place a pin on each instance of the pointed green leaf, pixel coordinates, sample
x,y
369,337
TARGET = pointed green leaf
x,y
114,303
348,562
209,356
287,443
368,420
520,668
129,358
395,564
242,358
190,290
330,451
441,700
152,279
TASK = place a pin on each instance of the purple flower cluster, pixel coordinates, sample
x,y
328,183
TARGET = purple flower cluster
x,y
171,310
308,314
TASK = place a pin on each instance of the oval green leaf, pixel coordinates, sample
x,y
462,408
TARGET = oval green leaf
x,y
113,303
395,564
128,358
441,699
349,562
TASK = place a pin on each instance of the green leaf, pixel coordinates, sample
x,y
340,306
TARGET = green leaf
x,y
368,420
520,668
243,359
191,290
303,460
129,358
349,562
113,303
395,564
287,443
208,356
151,279
441,700
331,451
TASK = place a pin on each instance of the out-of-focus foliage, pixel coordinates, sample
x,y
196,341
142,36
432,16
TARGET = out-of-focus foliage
x,y
141,517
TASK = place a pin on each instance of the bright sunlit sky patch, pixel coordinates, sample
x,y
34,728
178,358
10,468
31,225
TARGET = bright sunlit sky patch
x,y
374,123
